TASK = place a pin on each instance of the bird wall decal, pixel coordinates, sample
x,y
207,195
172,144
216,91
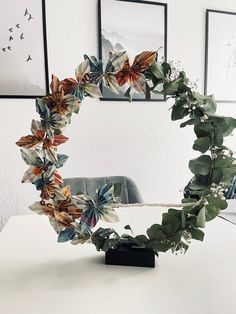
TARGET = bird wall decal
x,y
29,58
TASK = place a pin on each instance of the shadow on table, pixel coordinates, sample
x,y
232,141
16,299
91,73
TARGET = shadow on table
x,y
78,273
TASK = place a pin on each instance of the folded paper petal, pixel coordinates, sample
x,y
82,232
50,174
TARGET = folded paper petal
x,y
52,190
66,235
36,126
69,85
105,194
82,72
63,218
108,214
32,174
32,157
38,208
57,226
89,219
31,141
83,201
131,74
92,90
55,84
61,159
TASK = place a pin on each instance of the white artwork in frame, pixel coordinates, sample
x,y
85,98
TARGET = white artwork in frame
x,y
220,55
133,26
23,49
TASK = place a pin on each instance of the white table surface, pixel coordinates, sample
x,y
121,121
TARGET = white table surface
x,y
40,276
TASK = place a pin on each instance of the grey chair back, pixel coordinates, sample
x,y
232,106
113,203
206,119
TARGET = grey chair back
x,y
129,191
231,193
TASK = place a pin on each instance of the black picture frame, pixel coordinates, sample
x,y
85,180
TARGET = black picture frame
x,y
25,33
220,58
142,5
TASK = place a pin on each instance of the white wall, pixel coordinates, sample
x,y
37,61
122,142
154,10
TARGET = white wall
x,y
133,139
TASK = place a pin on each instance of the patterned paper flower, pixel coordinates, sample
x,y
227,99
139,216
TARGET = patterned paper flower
x,y
81,86
39,138
62,212
98,208
58,102
51,122
133,74
107,75
39,166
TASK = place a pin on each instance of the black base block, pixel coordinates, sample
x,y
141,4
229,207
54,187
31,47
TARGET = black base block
x,y
130,257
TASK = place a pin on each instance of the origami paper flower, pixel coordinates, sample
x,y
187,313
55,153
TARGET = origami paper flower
x,y
41,166
81,86
107,76
62,212
51,122
49,189
39,138
58,102
133,75
100,208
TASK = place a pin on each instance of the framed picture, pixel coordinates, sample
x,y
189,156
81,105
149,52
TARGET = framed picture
x,y
23,50
220,55
133,26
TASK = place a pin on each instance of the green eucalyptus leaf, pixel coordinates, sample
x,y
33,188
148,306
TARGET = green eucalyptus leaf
x,y
106,245
183,219
217,138
189,122
197,234
224,125
216,175
153,230
127,227
222,161
157,70
157,246
214,207
141,238
170,223
210,106
200,165
208,102
200,98
166,68
182,76
203,129
228,173
201,218
176,238
231,126
217,202
171,88
202,144
178,112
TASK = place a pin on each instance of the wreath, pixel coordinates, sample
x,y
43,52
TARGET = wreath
x,y
74,216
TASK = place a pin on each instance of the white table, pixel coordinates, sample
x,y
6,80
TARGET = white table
x,y
40,276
